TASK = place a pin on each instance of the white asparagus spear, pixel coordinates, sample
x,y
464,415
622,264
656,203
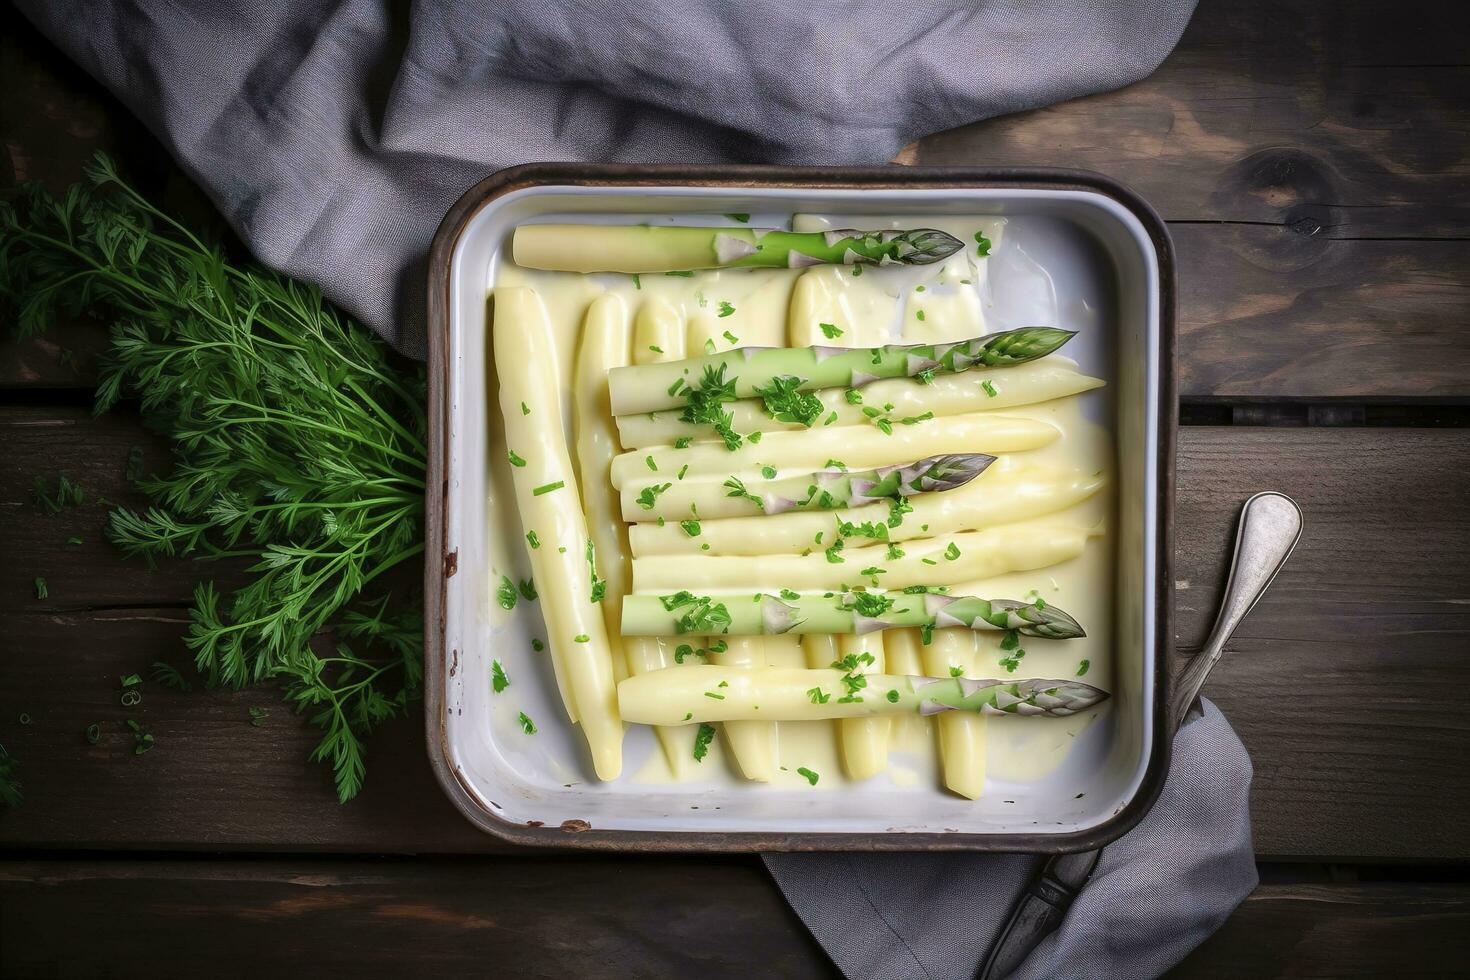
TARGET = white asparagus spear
x,y
605,343
977,554
962,736
1051,377
863,741
550,505
658,335
859,446
751,743
1009,491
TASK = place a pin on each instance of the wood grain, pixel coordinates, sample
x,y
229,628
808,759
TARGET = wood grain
x,y
501,918
514,917
1312,161
1371,615
1346,681
1334,932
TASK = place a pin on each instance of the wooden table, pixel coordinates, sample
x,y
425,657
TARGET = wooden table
x,y
1312,162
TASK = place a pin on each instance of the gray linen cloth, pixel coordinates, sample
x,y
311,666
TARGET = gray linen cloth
x,y
334,136
1157,893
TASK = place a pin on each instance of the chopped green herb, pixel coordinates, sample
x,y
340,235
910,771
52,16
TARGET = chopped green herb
x,y
832,553
892,696
919,315
691,528
506,593
916,419
830,330
515,459
537,645
681,275
712,694
790,594
709,346
532,539
739,216
982,244
857,270
498,679
926,377
895,552
527,725
67,494
649,494
755,437
989,387
547,488
42,592
94,733
528,589
929,561
830,419
926,634
853,396
784,401
702,739
811,777
736,488
952,552
1082,667
955,670
769,472
648,461
142,740
525,409
836,464
683,442
638,284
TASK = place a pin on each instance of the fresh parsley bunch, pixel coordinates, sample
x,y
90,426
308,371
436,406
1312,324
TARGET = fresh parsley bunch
x,y
298,445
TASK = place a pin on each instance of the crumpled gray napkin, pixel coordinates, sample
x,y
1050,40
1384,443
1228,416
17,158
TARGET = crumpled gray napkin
x,y
335,135
1158,892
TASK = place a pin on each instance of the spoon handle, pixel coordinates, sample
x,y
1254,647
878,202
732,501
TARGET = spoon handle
x,y
1270,526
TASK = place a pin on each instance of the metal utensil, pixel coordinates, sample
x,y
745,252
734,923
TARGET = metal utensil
x,y
1270,526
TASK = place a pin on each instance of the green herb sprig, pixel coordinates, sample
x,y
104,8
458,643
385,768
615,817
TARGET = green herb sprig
x,y
298,447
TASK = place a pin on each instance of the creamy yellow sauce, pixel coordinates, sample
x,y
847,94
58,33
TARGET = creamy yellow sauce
x,y
1068,473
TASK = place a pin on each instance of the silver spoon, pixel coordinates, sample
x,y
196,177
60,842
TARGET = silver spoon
x,y
1270,526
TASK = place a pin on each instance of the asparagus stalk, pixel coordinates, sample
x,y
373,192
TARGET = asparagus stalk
x,y
749,372
655,248
658,335
957,558
824,490
549,503
763,614
859,447
1006,493
714,694
977,390
961,735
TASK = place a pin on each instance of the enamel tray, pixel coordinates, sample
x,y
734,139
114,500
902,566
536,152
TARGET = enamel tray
x,y
1108,259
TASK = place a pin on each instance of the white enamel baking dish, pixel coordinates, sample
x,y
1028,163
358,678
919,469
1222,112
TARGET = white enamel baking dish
x,y
1109,266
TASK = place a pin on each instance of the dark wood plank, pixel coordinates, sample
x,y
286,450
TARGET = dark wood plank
x,y
1334,932
592,918
1371,611
1345,681
471,917
1313,161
